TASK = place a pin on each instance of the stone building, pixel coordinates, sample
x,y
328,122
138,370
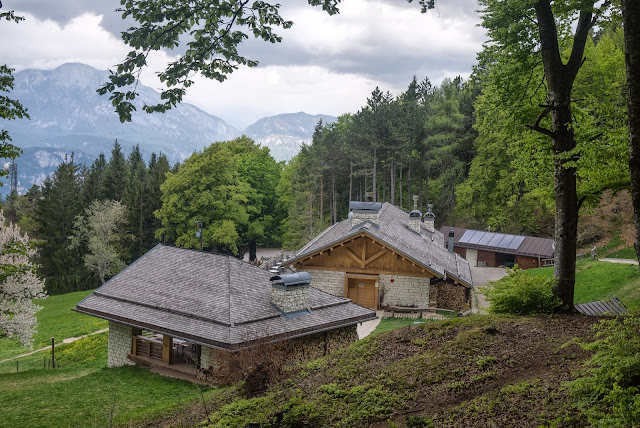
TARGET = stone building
x,y
382,256
182,307
491,249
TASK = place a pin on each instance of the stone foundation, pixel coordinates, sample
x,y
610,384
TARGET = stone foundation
x,y
219,364
119,345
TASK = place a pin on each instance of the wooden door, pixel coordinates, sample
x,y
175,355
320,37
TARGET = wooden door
x,y
363,292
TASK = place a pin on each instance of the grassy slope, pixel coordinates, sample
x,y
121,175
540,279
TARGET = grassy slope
x,y
475,371
603,280
85,393
56,320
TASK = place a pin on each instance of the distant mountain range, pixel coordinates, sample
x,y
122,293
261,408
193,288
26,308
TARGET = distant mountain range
x,y
67,115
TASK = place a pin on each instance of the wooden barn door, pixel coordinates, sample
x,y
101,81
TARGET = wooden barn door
x,y
363,292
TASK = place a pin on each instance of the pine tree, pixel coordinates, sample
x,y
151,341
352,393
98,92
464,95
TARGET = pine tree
x,y
116,175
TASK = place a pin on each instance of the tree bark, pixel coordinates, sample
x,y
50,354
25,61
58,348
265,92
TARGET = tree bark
x,y
631,22
559,78
253,250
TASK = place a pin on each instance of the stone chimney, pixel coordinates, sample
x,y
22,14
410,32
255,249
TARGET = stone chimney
x,y
290,292
430,219
415,216
451,235
364,211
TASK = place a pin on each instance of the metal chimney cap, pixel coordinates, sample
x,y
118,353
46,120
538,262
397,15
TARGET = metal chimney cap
x,y
415,214
288,279
365,207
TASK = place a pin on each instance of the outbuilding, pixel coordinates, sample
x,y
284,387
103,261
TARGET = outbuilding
x,y
492,249
182,307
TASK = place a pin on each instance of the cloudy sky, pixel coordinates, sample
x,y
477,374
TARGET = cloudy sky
x,y
325,64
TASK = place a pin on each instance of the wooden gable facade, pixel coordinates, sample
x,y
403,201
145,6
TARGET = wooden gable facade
x,y
363,254
363,259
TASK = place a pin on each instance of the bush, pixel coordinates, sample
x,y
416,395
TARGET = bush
x,y
520,293
609,394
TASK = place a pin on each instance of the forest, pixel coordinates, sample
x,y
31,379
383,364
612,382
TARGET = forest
x,y
465,146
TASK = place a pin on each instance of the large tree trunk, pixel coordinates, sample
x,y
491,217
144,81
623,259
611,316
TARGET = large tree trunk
x,y
631,22
559,78
253,250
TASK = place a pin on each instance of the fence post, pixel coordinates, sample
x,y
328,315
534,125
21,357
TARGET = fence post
x,y
53,353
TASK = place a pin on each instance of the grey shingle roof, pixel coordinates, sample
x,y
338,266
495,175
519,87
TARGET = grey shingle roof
x,y
210,299
529,245
393,229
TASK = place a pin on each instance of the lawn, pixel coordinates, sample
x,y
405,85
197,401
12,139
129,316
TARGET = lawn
x,y
597,280
56,320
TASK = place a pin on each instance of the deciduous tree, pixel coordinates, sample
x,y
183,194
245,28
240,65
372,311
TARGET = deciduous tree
x,y
19,284
102,230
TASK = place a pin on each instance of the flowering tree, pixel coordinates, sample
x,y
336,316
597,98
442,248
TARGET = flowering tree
x,y
19,284
101,230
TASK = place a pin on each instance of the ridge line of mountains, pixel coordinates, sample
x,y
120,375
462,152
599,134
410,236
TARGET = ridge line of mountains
x,y
67,115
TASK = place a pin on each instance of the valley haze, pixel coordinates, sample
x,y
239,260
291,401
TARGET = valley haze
x,y
68,116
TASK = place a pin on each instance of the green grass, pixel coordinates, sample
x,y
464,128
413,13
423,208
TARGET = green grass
x,y
88,396
388,324
56,319
625,253
603,280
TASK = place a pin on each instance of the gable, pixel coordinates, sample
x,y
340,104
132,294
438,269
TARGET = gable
x,y
363,253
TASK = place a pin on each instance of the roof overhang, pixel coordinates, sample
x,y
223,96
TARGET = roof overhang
x,y
365,234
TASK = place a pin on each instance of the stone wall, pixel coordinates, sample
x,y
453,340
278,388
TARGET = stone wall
x,y
331,282
404,291
220,365
446,295
362,217
290,299
119,345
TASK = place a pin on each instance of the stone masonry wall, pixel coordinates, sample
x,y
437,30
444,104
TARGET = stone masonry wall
x,y
220,364
292,299
328,281
119,345
362,217
404,291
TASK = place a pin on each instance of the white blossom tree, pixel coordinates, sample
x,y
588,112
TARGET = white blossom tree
x,y
19,285
101,229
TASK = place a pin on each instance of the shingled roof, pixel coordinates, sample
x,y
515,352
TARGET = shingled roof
x,y
218,301
393,230
501,242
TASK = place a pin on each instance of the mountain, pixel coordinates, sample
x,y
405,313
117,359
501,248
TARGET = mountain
x,y
68,116
285,133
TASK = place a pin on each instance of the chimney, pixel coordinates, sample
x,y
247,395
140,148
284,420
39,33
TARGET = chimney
x,y
430,219
364,211
415,216
451,235
290,292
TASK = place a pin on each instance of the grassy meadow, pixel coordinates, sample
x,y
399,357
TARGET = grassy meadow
x,y
596,280
56,319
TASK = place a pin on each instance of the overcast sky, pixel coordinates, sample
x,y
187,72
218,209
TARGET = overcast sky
x,y
325,64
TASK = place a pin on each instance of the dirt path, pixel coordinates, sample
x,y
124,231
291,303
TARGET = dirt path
x,y
67,340
481,276
623,261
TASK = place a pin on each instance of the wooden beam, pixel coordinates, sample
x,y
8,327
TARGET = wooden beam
x,y
375,256
364,253
353,255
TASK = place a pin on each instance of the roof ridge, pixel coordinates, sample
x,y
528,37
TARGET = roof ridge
x,y
318,236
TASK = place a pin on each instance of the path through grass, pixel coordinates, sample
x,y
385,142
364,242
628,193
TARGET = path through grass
x,y
56,320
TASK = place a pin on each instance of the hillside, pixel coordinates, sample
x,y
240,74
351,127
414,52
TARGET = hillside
x,y
475,372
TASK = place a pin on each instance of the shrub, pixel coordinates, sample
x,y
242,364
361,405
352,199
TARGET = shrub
x,y
520,293
609,394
